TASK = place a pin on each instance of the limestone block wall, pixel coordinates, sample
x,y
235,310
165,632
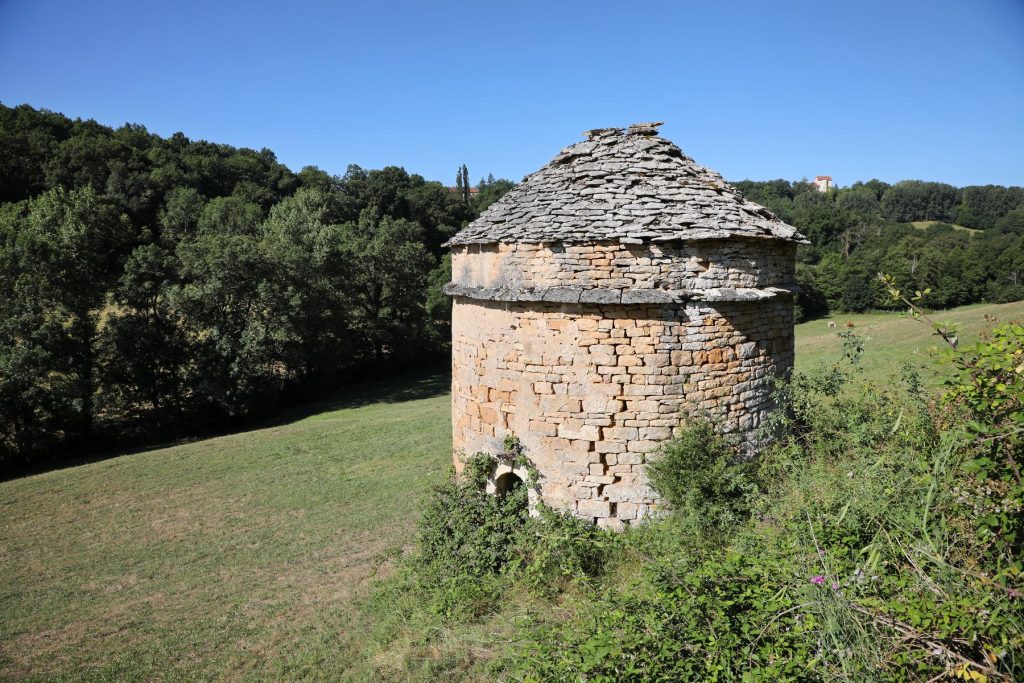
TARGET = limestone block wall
x,y
669,267
589,388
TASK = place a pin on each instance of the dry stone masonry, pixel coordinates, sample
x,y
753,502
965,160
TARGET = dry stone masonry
x,y
611,293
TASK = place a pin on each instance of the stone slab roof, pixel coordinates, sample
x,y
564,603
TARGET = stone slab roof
x,y
576,295
627,186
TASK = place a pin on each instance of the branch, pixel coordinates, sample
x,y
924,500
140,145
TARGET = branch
x,y
917,311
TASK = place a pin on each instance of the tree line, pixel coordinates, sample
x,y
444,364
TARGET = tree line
x,y
970,250
153,287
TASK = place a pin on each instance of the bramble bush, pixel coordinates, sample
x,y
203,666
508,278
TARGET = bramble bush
x,y
472,544
987,385
704,480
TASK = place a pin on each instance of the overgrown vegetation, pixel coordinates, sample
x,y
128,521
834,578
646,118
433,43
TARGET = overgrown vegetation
x,y
472,543
702,481
878,539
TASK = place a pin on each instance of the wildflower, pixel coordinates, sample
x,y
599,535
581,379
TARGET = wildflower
x,y
835,586
819,579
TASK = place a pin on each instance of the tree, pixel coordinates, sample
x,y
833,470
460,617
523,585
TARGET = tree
x,y
914,200
811,301
982,206
179,218
36,381
221,301
856,233
491,191
439,304
860,201
386,278
819,217
858,295
1012,222
67,246
230,216
143,352
307,296
830,277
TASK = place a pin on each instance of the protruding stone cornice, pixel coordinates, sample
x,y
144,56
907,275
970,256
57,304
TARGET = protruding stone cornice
x,y
601,295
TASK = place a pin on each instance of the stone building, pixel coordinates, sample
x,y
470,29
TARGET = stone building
x,y
611,293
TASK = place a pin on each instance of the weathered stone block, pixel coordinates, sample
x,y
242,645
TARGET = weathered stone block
x,y
594,508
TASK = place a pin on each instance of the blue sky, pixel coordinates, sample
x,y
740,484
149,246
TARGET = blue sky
x,y
893,90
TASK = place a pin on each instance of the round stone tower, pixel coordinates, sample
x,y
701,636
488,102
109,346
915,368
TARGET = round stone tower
x,y
611,293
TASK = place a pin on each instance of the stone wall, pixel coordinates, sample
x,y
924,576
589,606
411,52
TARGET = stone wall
x,y
684,267
589,389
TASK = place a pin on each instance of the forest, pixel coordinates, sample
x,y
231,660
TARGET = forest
x,y
969,249
152,287
159,287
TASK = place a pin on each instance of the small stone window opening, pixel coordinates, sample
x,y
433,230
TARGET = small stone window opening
x,y
506,483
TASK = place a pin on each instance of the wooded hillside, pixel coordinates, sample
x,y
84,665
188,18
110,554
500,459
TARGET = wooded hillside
x,y
153,287
867,228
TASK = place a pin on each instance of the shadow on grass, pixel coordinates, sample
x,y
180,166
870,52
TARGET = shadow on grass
x,y
411,386
408,386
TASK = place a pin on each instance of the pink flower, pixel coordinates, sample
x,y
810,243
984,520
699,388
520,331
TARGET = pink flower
x,y
819,579
835,586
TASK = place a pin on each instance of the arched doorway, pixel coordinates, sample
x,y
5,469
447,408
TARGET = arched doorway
x,y
506,483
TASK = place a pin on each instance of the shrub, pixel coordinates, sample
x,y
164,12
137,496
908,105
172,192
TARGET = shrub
x,y
703,480
987,385
466,532
556,549
722,619
472,542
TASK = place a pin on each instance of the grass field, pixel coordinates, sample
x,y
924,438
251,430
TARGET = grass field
x,y
921,225
235,557
891,338
242,557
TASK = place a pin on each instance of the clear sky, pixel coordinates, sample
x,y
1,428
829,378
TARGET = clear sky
x,y
890,89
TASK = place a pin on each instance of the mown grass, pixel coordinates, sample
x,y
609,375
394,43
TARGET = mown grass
x,y
892,338
235,557
249,556
924,225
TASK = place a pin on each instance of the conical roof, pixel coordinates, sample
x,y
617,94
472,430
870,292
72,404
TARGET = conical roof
x,y
627,186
